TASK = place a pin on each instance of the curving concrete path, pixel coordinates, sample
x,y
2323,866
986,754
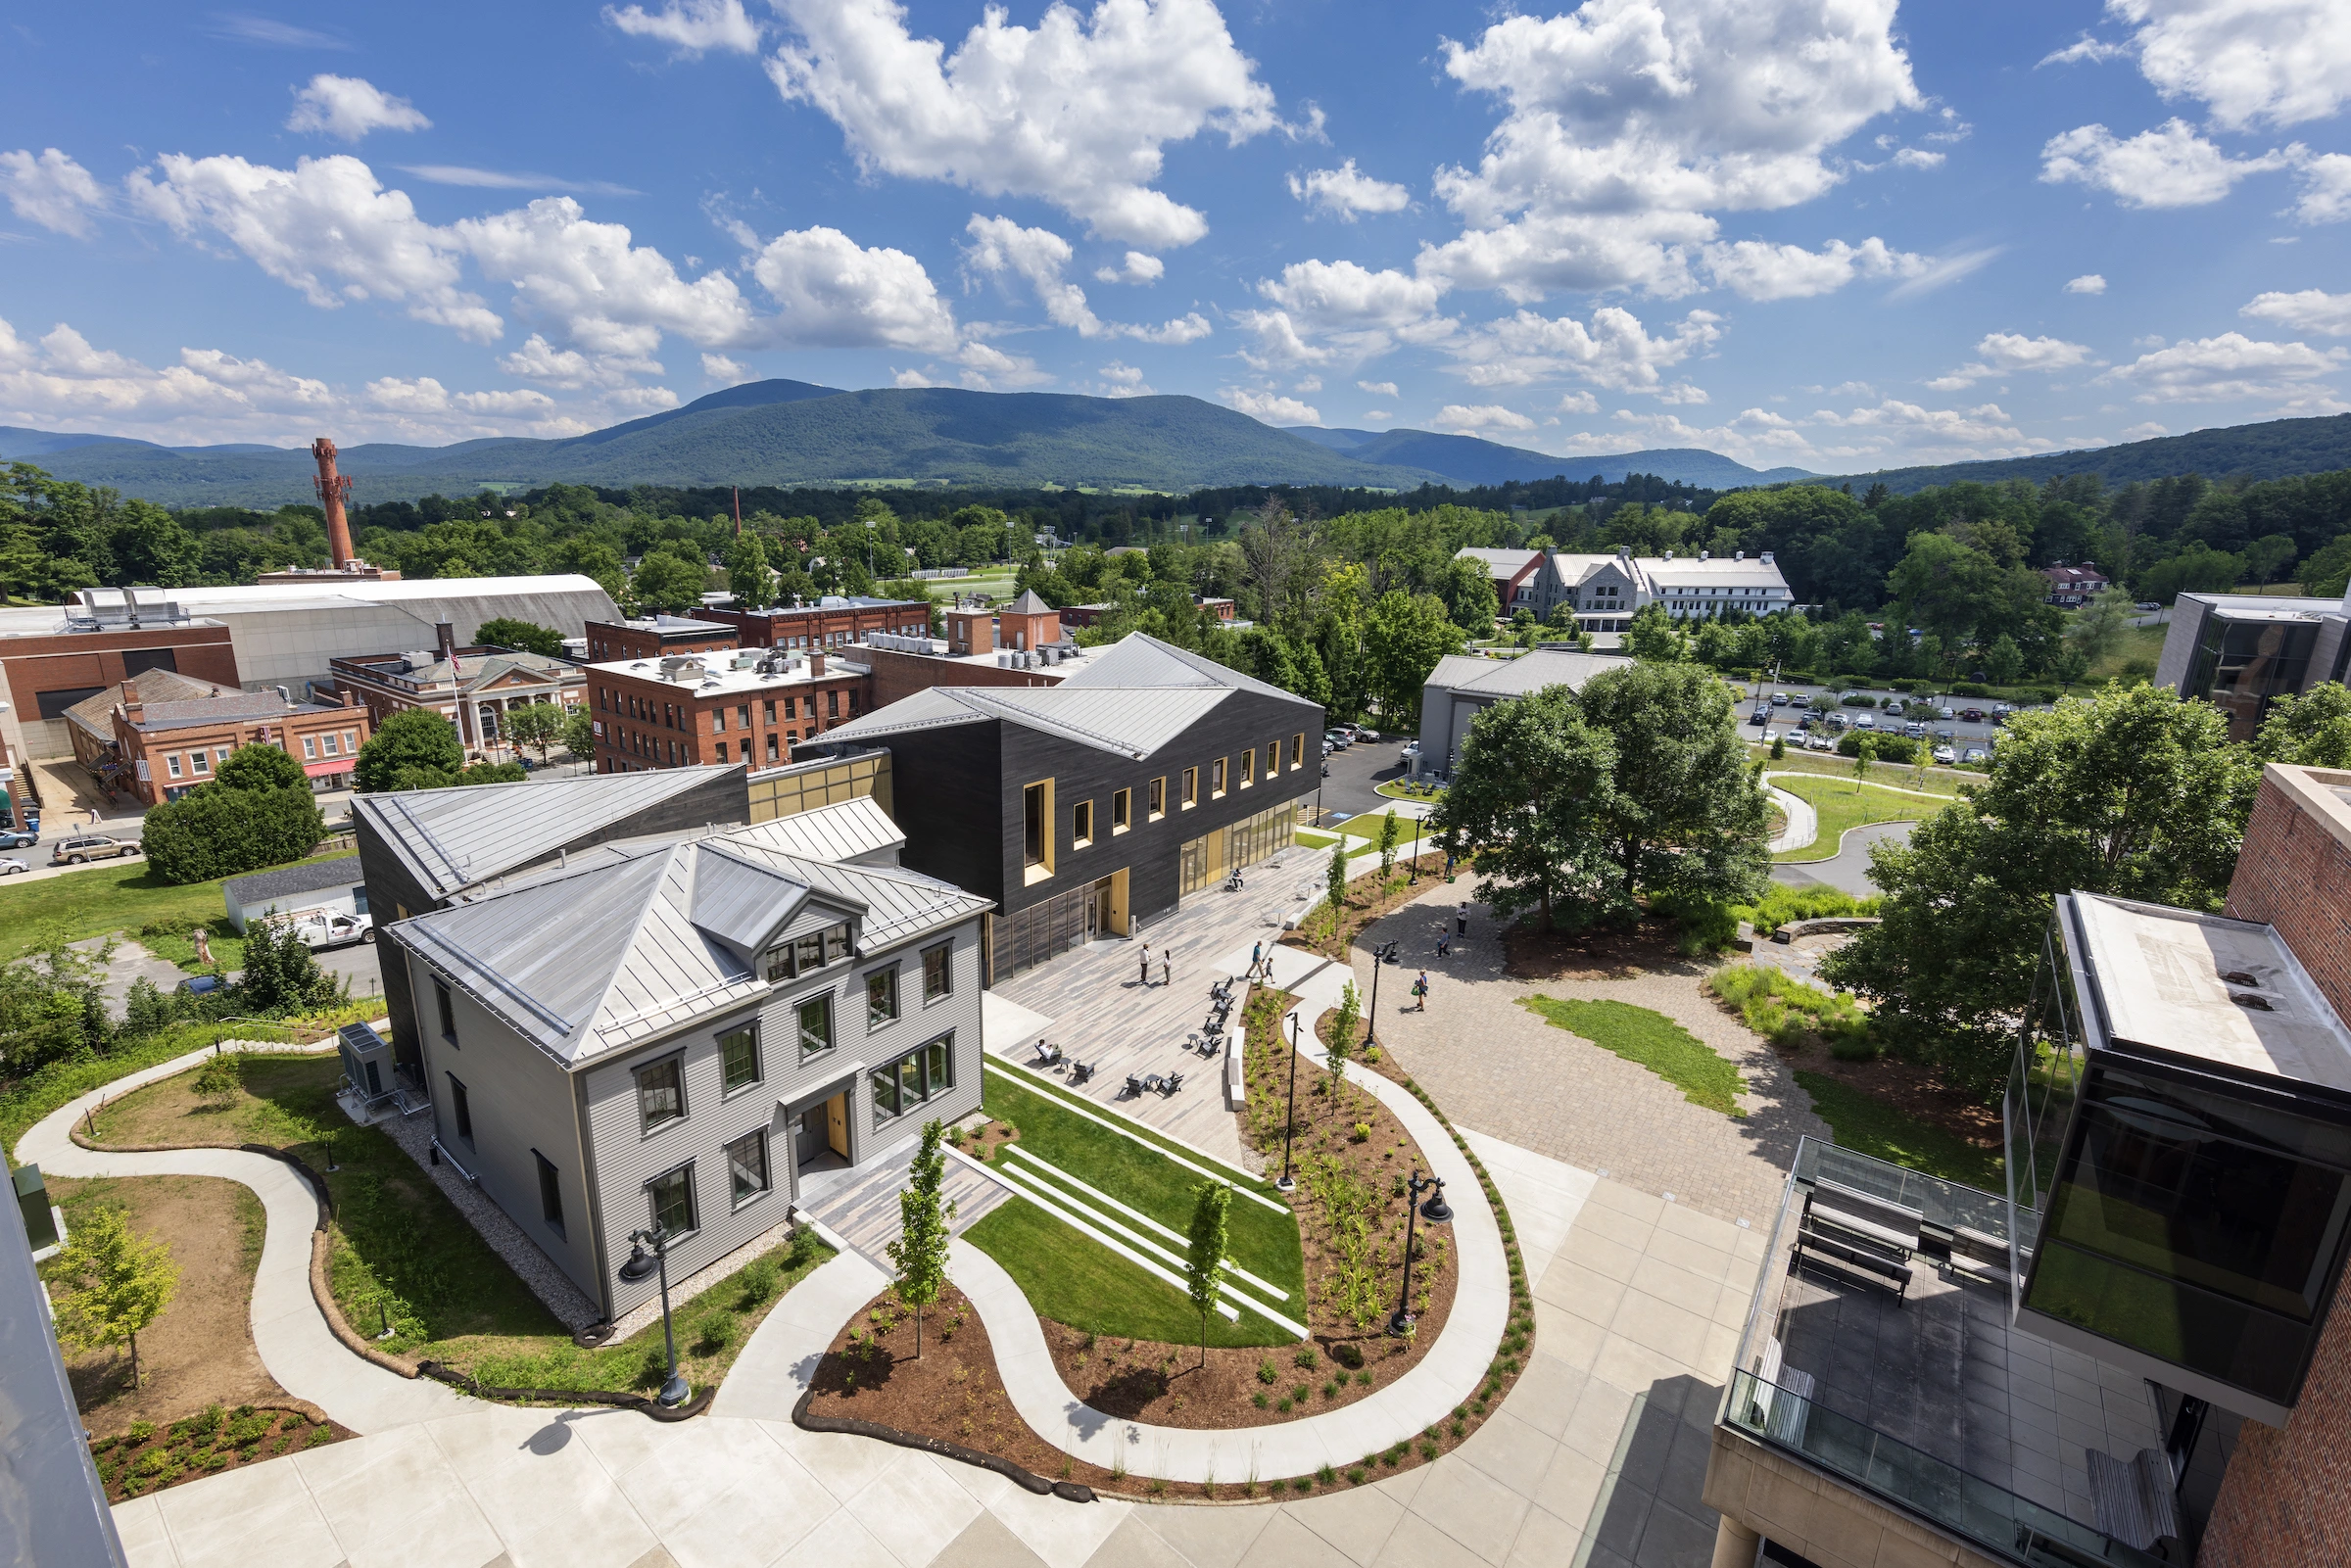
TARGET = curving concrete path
x,y
1803,822
293,1339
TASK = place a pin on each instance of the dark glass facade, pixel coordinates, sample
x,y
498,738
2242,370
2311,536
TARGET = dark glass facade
x,y
2242,666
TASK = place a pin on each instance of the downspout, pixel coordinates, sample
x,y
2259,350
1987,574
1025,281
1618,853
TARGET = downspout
x,y
588,1183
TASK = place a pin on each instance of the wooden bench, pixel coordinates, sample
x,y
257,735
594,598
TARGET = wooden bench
x,y
2137,1502
1828,1205
1857,1261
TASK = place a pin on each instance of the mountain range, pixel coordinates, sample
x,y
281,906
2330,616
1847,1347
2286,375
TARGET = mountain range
x,y
788,432
2275,448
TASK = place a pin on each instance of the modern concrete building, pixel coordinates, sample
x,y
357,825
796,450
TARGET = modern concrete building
x,y
674,1035
1463,686
1086,809
158,736
2242,652
472,688
1602,591
2137,1351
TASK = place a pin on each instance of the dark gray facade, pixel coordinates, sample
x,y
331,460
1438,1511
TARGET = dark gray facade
x,y
2241,653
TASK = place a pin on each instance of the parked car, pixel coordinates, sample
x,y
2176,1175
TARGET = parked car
x,y
1770,735
1778,699
1838,723
328,927
1971,716
1761,715
1824,743
2001,710
1947,736
1893,706
1915,730
18,838
203,984
10,865
1338,740
1944,755
2146,605
90,847
1866,721
1975,754
1945,715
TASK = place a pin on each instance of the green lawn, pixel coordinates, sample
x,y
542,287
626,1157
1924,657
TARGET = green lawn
x,y
1654,1041
1075,1280
121,897
1870,1126
2140,645
1843,806
1828,765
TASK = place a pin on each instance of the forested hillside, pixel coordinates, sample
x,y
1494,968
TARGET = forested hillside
x,y
2272,449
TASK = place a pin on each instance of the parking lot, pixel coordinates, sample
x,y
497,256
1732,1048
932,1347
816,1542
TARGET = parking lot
x,y
1922,707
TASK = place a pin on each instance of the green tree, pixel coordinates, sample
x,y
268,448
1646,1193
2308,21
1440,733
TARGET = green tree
x,y
920,1251
538,725
1866,752
411,738
1528,807
2003,661
1403,637
2098,629
2327,574
747,575
2267,557
1684,818
118,1283
525,637
668,583
1391,833
218,830
261,767
2133,793
281,974
579,732
2311,731
1653,635
1339,1049
1204,1259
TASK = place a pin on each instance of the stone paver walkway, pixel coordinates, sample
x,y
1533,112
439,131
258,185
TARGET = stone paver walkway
x,y
1495,1065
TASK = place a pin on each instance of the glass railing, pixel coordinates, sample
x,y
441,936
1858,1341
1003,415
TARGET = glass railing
x,y
1947,1204
2011,1528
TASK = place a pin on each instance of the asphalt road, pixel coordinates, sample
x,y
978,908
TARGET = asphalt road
x,y
1354,771
1849,870
1784,718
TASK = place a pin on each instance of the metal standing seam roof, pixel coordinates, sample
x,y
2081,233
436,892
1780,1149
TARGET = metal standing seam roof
x,y
586,962
452,839
844,830
1516,677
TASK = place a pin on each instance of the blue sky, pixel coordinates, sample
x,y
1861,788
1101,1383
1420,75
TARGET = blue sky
x,y
1832,233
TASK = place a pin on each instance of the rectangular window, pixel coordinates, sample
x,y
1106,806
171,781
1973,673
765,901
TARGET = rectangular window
x,y
1216,779
1121,811
460,1107
747,1167
771,749
1082,825
221,754
172,763
1298,749
718,721
816,1026
906,1085
767,710
198,763
939,973
880,999
1272,758
738,1058
670,1198
1192,787
1037,804
1248,767
661,1093
448,1011
743,715
1155,800
833,704
310,747
550,1194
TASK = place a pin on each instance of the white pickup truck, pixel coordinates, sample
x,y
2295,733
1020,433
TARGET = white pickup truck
x,y
328,927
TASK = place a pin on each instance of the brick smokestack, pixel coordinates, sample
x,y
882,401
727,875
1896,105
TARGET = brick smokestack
x,y
333,491
447,635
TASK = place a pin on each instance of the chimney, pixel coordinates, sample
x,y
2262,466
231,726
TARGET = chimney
x,y
816,664
132,708
447,635
1765,557
333,491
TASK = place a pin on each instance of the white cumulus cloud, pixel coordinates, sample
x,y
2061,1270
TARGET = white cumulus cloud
x,y
1270,408
2273,62
2326,189
2003,353
609,295
2309,311
1629,122
1001,247
2171,166
1615,351
1075,110
1379,389
836,295
1346,191
692,26
1757,270
2087,283
51,190
1119,380
571,370
1469,420
347,108
718,367
1138,267
2232,367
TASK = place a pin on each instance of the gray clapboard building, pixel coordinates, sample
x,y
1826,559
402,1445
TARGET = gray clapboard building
x,y
675,1032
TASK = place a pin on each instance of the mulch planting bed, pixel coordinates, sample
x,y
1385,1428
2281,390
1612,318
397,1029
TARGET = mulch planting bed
x,y
1368,900
148,1457
1914,1090
1595,953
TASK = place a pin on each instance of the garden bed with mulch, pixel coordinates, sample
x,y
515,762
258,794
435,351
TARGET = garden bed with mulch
x,y
1368,900
1596,953
147,1457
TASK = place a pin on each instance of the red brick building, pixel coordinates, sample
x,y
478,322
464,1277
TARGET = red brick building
x,y
160,734
749,706
833,621
2072,586
653,636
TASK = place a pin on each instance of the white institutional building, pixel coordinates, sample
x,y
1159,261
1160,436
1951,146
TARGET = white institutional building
x,y
1603,591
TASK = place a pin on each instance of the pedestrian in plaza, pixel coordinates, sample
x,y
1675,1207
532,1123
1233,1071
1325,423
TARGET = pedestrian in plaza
x,y
1146,963
1167,967
1421,993
1444,945
1460,920
1256,954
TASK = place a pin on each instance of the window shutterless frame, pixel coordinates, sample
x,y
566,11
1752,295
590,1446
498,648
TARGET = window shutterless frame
x,y
738,1058
1121,810
816,1025
660,1093
881,998
669,1200
938,971
748,1178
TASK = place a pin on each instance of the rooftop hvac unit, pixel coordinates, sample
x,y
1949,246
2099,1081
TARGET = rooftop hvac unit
x,y
1003,661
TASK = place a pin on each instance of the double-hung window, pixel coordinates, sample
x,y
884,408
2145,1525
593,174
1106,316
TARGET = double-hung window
x,y
661,1093
816,1025
938,971
738,1058
670,1199
198,763
747,1167
880,999
808,953
906,1085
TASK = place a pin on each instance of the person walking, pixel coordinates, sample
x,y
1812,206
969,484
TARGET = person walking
x,y
1146,963
1421,993
1444,945
1167,967
1256,954
1460,920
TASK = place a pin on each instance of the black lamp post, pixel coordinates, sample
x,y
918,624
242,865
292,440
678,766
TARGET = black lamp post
x,y
1437,1213
641,1263
1384,953
1289,1124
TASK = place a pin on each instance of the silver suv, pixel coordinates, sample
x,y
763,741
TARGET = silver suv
x,y
89,846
